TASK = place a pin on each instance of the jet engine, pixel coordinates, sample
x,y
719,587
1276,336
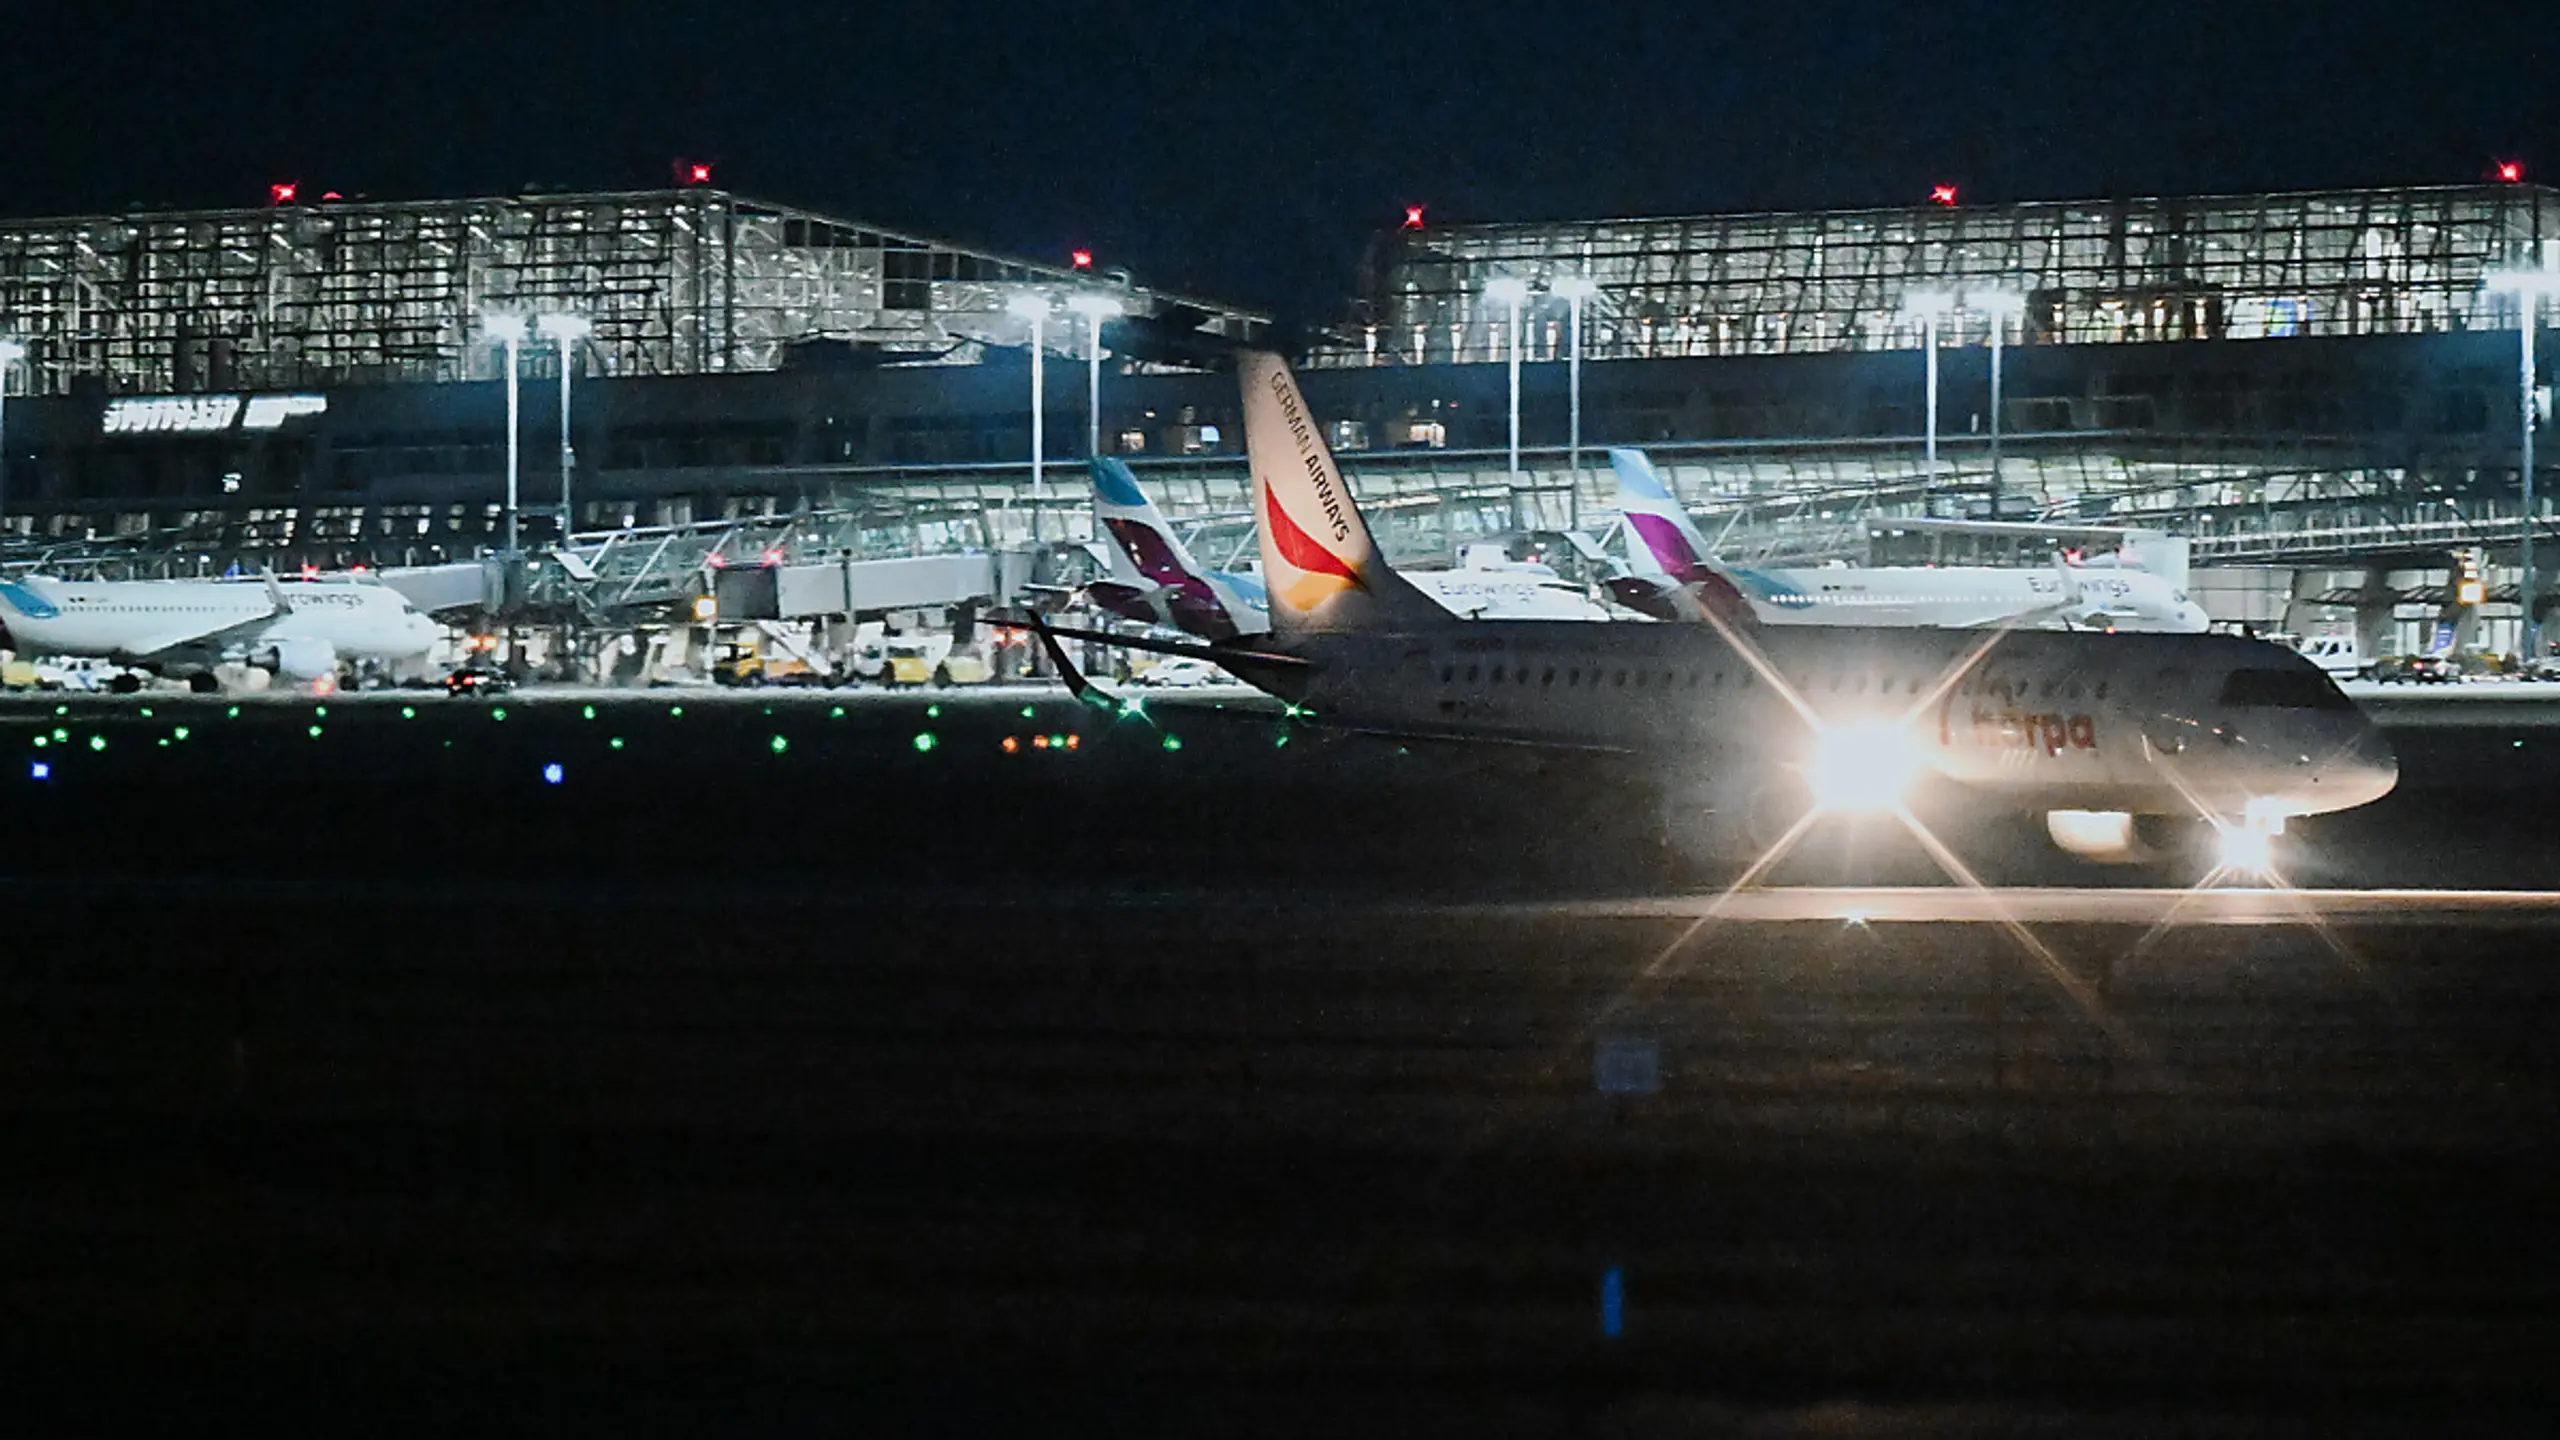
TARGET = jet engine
x,y
301,659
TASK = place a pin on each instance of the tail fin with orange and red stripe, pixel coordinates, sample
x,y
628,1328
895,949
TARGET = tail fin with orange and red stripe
x,y
1319,566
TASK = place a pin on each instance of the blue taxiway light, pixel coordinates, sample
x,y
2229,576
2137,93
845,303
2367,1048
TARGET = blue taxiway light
x,y
551,773
38,770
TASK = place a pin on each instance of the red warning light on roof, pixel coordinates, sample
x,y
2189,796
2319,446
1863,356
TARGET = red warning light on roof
x,y
2511,171
1081,259
282,193
1942,194
1413,217
692,172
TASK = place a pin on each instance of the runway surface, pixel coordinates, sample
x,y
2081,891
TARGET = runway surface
x,y
1234,1087
2248,901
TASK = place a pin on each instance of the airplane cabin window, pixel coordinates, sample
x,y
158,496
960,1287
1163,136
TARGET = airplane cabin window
x,y
1549,678
1474,672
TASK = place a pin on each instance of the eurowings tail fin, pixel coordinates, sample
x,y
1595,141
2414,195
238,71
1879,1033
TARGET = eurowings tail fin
x,y
1319,564
1137,526
1663,541
1655,518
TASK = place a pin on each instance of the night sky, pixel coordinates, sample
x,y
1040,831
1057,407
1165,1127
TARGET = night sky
x,y
1247,150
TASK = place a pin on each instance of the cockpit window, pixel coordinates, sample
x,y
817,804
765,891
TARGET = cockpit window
x,y
2283,689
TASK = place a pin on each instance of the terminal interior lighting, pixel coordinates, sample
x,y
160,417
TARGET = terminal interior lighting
x,y
12,351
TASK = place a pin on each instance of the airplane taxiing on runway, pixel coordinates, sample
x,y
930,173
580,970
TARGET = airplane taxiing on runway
x,y
1743,730
1676,576
297,629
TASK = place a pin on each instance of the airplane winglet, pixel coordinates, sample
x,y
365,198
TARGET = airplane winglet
x,y
1077,684
275,591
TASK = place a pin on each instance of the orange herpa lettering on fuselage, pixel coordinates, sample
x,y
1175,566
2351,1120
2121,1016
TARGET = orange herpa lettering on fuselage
x,y
2049,731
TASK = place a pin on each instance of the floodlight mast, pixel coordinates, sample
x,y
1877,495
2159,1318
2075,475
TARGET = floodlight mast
x,y
1575,289
2529,287
1035,309
1929,306
2002,306
11,352
565,331
1095,309
509,332
1514,292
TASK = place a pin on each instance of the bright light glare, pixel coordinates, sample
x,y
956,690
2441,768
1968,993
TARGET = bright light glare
x,y
566,329
1864,768
12,351
2245,848
1508,289
504,328
1928,302
1572,287
2003,304
1099,307
1028,307
2523,282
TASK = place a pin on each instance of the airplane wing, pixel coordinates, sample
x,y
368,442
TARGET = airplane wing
x,y
213,638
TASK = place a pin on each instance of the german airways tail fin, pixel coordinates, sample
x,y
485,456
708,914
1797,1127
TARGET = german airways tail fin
x,y
1322,570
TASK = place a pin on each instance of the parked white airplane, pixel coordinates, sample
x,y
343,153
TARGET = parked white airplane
x,y
1162,584
1676,578
1743,731
297,629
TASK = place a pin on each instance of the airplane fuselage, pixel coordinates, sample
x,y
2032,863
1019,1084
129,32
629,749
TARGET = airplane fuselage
x,y
187,625
2044,719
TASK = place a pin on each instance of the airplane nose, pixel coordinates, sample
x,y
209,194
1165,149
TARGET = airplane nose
x,y
2365,771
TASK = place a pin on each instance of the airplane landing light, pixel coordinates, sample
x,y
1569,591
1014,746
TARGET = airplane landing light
x,y
1864,769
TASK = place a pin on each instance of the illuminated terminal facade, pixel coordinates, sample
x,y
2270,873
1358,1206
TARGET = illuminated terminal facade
x,y
2288,378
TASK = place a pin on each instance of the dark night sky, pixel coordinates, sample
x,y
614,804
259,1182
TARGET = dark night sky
x,y
1246,150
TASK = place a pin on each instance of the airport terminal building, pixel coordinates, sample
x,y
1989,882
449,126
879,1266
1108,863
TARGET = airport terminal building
x,y
2322,387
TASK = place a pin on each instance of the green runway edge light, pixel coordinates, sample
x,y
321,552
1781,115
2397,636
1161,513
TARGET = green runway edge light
x,y
591,712
617,742
1026,712
235,713
321,711
408,712
179,733
97,742
931,712
42,741
925,742
499,714
1173,742
836,714
780,744
315,732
